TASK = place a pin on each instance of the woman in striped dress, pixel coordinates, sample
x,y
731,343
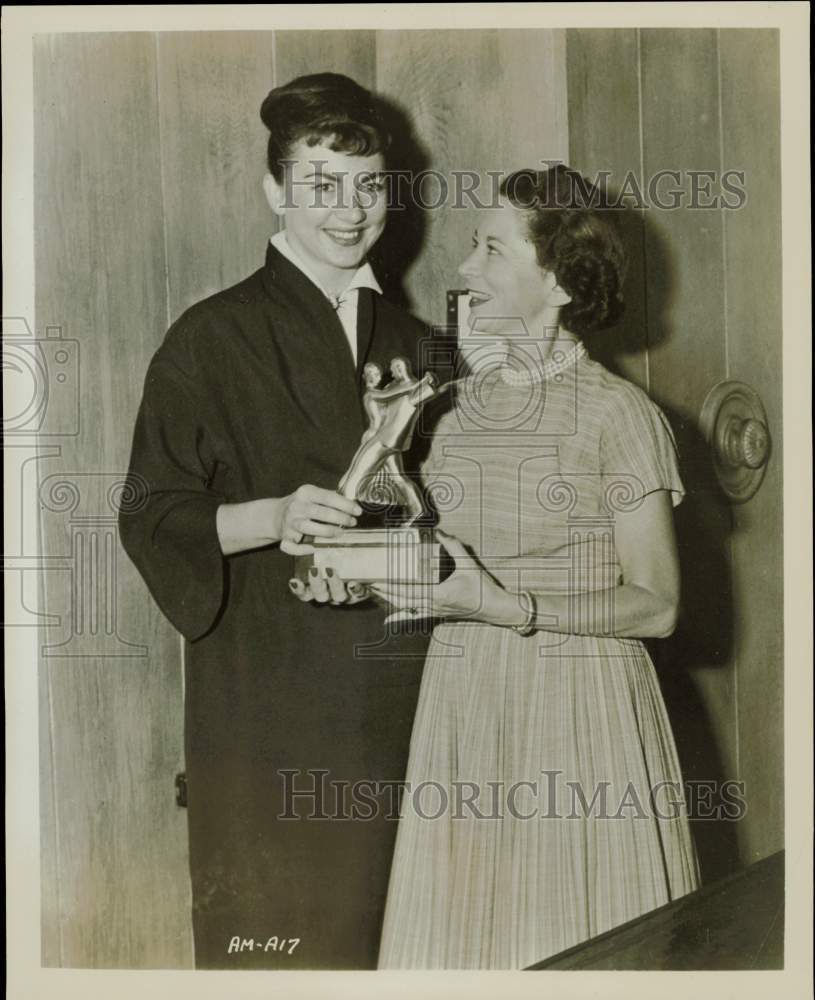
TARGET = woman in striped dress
x,y
543,798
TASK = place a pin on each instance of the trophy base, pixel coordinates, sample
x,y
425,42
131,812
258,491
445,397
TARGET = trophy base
x,y
375,555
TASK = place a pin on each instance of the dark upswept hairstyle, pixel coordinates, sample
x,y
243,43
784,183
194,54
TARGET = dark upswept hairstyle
x,y
574,238
318,107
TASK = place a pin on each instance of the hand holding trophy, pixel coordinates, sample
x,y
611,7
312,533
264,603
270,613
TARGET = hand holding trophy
x,y
399,551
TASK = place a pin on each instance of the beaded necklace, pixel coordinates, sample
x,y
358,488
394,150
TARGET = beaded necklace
x,y
533,371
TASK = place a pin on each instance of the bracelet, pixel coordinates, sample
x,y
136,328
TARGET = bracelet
x,y
530,625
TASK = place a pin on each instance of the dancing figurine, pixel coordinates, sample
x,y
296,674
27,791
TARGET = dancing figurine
x,y
407,553
392,414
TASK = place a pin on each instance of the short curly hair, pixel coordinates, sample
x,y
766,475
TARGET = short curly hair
x,y
319,107
575,239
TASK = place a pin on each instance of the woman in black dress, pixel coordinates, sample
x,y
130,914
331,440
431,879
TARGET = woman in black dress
x,y
251,413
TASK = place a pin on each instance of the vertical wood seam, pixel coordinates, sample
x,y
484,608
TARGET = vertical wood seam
x,y
731,555
165,239
162,184
167,321
722,212
641,212
55,812
43,665
276,221
561,71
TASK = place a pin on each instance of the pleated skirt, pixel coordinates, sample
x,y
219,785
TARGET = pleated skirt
x,y
543,802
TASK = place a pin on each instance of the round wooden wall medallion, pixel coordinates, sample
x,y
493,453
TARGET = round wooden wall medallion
x,y
735,426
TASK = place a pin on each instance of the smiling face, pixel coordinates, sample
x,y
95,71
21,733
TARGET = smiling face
x,y
507,285
334,206
372,374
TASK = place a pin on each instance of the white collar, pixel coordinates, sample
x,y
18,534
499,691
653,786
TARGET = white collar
x,y
363,277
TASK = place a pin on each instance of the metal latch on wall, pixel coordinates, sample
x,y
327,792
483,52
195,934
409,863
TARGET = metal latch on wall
x,y
181,790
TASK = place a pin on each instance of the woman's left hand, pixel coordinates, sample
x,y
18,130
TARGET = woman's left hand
x,y
462,595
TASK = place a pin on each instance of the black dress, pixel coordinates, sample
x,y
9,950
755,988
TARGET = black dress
x,y
254,392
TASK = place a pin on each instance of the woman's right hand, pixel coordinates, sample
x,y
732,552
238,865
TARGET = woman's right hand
x,y
311,510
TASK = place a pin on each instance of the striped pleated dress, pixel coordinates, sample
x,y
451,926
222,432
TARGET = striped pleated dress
x,y
543,802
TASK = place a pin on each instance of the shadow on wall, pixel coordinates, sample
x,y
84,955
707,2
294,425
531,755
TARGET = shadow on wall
x,y
703,640
404,235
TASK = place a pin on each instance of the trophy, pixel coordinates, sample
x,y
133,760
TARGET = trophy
x,y
401,550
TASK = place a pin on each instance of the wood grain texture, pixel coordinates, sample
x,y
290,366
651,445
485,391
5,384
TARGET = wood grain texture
x,y
711,288
478,101
352,53
734,923
604,137
680,126
750,65
213,158
114,735
686,335
50,937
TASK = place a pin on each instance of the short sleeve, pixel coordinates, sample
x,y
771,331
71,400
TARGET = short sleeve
x,y
167,523
637,450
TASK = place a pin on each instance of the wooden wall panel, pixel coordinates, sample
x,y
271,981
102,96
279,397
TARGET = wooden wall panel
x,y
111,696
50,937
478,101
213,158
680,127
350,52
750,65
604,136
710,282
686,335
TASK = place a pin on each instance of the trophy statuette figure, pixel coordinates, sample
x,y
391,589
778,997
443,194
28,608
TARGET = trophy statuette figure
x,y
398,551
